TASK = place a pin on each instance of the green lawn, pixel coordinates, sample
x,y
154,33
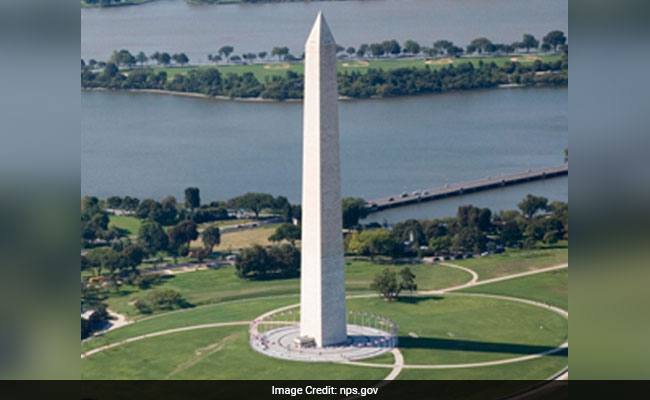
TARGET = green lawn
x,y
216,353
549,287
263,71
214,286
483,329
130,225
463,329
234,311
514,261
538,369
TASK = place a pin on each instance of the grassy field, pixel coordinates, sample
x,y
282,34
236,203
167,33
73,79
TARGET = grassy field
x,y
130,225
214,286
217,353
274,68
233,311
483,329
461,329
515,261
549,287
241,239
538,369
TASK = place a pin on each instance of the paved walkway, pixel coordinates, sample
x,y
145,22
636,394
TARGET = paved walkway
x,y
160,333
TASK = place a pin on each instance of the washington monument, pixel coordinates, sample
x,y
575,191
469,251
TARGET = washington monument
x,y
322,284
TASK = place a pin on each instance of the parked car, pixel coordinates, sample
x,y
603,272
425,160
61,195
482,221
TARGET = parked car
x,y
404,195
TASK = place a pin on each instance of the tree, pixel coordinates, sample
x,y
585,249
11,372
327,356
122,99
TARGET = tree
x,y
389,287
164,59
152,237
262,55
480,45
280,52
530,205
254,202
106,258
183,233
289,232
440,244
354,209
285,261
373,243
141,58
110,70
391,47
192,198
376,49
133,255
236,59
402,231
211,237
169,210
386,284
363,49
468,240
252,261
122,57
408,280
553,39
412,47
130,203
566,155
226,51
114,202
149,209
181,58
528,42
511,234
351,51
442,46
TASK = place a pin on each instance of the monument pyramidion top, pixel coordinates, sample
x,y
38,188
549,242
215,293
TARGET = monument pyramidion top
x,y
320,33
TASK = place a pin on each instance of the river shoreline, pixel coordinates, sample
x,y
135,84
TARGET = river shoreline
x,y
263,100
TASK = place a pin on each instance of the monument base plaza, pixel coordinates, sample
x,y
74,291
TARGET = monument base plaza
x,y
362,342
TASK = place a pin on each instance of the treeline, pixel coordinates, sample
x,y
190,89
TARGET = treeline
x,y
373,83
554,41
473,231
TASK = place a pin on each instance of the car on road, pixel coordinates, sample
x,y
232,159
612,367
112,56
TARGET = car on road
x,y
404,195
390,199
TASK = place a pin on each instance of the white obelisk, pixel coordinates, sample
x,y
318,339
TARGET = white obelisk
x,y
322,283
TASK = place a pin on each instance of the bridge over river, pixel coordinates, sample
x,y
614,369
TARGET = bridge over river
x,y
459,189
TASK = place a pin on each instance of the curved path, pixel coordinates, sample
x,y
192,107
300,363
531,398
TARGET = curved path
x,y
160,333
561,347
398,365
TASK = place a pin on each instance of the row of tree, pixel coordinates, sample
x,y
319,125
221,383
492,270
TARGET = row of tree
x,y
372,83
553,41
473,230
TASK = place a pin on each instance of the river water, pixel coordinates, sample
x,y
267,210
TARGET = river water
x,y
174,26
151,145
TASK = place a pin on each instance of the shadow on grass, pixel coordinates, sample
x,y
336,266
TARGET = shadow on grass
x,y
408,342
417,299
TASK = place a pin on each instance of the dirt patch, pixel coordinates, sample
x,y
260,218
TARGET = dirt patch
x,y
442,61
355,64
277,66
524,59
